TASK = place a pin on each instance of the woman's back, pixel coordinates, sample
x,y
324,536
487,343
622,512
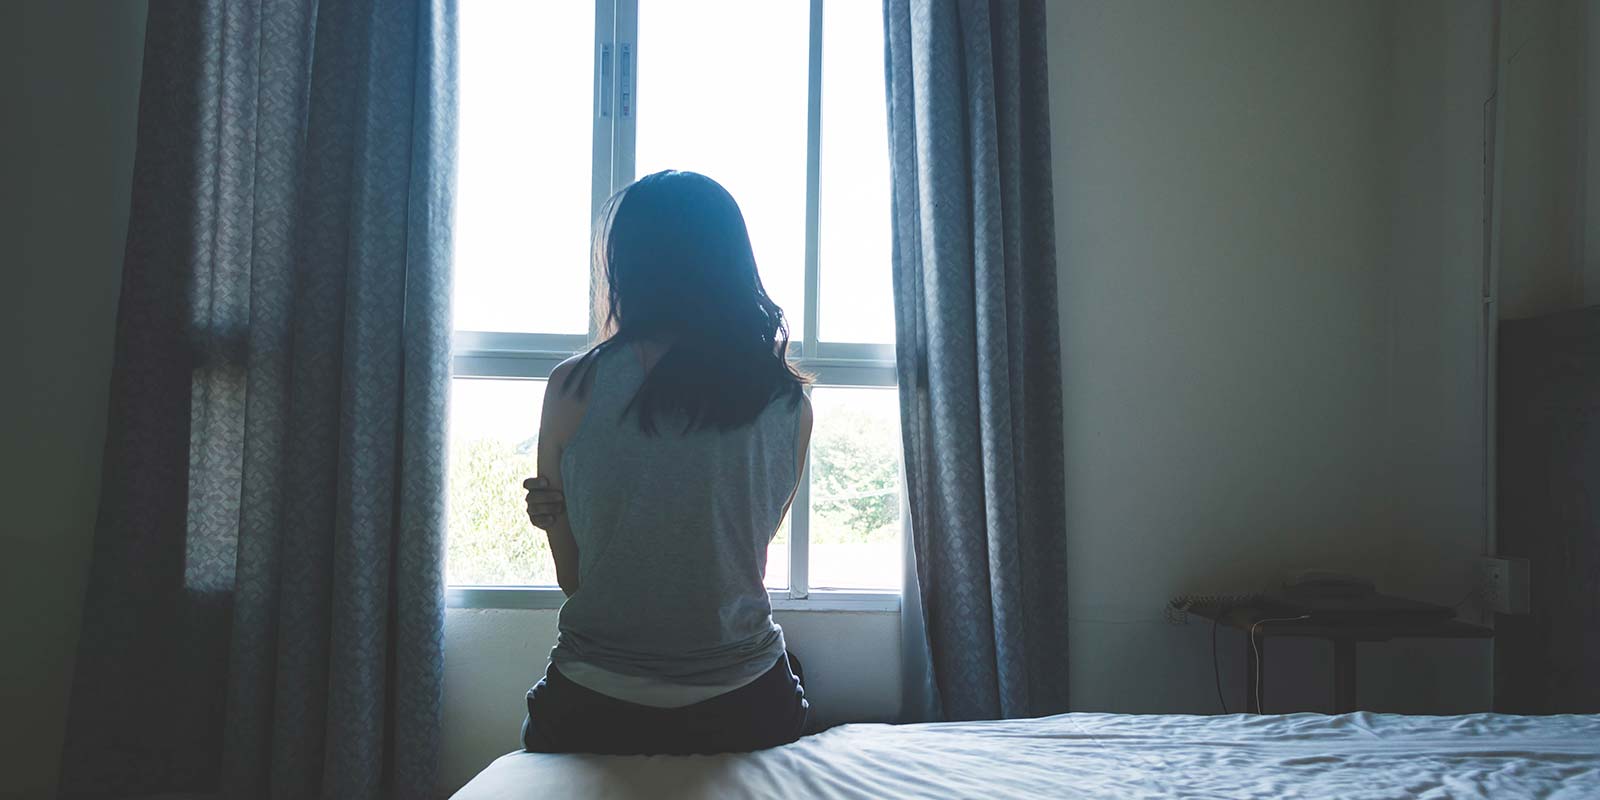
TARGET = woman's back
x,y
672,531
672,449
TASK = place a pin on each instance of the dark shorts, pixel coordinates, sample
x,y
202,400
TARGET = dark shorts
x,y
564,717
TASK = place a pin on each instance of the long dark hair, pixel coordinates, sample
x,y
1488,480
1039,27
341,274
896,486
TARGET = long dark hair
x,y
678,268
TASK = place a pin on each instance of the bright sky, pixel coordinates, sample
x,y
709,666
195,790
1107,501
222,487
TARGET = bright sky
x,y
721,89
523,166
507,410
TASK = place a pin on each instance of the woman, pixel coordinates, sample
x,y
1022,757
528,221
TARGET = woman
x,y
677,444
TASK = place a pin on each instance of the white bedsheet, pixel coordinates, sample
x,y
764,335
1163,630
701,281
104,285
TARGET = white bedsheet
x,y
1107,755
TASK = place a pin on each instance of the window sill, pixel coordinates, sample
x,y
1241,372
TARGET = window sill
x,y
549,598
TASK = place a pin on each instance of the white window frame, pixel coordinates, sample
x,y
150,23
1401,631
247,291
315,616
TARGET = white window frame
x,y
532,356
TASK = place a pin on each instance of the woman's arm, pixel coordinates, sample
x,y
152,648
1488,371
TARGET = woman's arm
x,y
558,422
802,443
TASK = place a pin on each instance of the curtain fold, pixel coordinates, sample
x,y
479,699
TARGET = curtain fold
x,y
264,614
978,348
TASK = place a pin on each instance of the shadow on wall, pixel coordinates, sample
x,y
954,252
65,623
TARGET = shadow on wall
x,y
80,67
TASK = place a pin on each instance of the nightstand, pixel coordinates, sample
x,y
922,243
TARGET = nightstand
x,y
1344,634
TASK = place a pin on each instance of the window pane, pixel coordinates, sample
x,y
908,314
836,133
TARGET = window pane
x,y
854,212
494,433
524,166
778,558
855,489
722,91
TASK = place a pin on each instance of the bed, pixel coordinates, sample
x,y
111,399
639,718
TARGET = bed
x,y
1359,755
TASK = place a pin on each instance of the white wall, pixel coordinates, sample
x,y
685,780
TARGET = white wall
x,y
852,663
1251,277
69,153
1441,73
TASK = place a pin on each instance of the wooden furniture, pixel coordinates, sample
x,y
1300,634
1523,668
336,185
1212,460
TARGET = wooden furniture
x,y
1548,413
1342,634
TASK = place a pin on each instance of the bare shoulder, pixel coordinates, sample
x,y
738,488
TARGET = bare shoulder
x,y
565,399
560,377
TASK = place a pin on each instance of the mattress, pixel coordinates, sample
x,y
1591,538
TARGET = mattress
x,y
1357,755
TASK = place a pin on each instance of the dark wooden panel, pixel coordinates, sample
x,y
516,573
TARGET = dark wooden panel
x,y
1548,465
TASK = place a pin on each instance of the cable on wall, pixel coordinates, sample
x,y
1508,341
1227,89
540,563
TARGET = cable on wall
x,y
1255,648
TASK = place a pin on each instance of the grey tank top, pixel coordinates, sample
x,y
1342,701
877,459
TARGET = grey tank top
x,y
672,532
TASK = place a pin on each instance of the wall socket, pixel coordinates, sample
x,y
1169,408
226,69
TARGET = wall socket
x,y
1503,584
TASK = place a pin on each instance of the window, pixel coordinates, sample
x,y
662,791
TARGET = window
x,y
783,103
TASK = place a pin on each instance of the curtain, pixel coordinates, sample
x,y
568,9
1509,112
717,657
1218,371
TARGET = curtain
x,y
978,349
265,606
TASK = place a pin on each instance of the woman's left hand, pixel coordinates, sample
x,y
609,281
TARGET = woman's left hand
x,y
545,505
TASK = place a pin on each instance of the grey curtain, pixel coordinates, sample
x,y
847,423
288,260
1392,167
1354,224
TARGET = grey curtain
x,y
979,354
265,608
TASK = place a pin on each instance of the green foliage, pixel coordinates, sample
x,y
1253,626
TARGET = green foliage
x,y
855,479
491,540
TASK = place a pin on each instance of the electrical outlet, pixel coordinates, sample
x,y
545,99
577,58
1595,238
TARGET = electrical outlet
x,y
1503,584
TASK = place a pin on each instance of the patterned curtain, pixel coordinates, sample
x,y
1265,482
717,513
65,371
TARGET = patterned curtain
x,y
265,609
979,354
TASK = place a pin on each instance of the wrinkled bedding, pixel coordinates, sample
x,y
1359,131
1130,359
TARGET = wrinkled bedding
x,y
1357,755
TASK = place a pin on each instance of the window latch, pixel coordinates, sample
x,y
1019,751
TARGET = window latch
x,y
605,80
627,80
